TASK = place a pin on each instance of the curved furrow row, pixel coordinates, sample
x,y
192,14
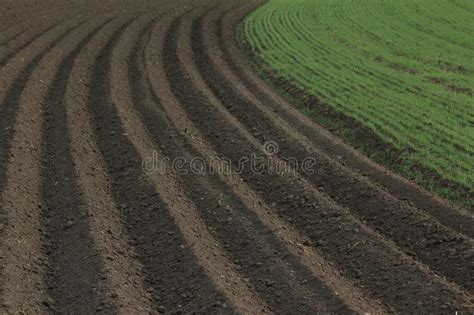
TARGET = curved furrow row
x,y
20,201
359,103
73,262
456,219
215,207
10,92
25,55
4,41
176,288
411,229
7,53
135,177
26,59
374,111
168,266
22,40
328,232
228,212
10,32
120,124
424,28
20,67
122,272
448,215
351,85
76,264
245,208
343,61
338,60
228,220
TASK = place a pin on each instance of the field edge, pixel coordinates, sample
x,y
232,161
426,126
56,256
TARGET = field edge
x,y
351,131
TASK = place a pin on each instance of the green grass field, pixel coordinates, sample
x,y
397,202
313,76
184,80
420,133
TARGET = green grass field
x,y
403,68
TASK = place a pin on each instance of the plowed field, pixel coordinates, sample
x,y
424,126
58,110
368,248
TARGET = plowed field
x,y
111,116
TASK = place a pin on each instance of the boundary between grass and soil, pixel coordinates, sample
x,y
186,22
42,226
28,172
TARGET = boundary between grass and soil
x,y
353,132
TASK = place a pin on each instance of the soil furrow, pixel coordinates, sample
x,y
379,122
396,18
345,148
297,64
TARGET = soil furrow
x,y
12,53
252,212
448,215
9,105
23,58
74,279
289,199
37,27
146,167
220,206
21,238
11,37
9,111
123,273
205,248
177,280
406,226
9,32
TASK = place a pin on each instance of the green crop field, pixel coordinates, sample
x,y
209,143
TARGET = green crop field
x,y
402,68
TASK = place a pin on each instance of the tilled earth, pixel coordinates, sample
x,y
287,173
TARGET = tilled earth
x,y
97,96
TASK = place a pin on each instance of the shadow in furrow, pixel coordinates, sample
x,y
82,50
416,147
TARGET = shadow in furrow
x,y
10,106
398,187
172,273
8,113
412,231
357,252
229,219
74,278
12,54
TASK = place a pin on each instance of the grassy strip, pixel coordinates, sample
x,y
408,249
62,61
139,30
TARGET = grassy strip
x,y
355,133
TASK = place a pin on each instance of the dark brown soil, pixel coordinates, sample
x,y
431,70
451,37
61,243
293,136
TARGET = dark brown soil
x,y
89,92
